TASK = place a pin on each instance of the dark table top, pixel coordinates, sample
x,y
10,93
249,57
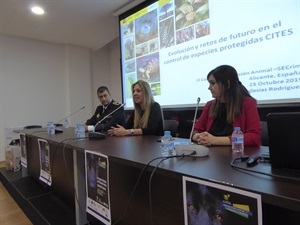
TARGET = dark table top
x,y
137,151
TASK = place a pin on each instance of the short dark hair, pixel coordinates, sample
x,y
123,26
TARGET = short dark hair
x,y
102,89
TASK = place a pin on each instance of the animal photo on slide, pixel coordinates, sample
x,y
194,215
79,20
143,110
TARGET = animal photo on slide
x,y
146,27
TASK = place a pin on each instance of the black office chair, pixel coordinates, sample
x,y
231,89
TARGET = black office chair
x,y
264,133
172,126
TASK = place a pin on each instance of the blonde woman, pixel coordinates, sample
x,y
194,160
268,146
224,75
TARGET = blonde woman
x,y
146,118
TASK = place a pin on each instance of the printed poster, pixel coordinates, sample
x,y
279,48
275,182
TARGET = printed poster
x,y
23,150
45,165
11,135
213,203
97,186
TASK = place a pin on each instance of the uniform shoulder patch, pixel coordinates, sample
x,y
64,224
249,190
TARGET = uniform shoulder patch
x,y
116,103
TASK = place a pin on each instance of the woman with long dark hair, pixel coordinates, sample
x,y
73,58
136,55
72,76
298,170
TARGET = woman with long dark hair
x,y
232,107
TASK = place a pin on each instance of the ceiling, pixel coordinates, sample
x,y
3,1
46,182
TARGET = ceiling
x,y
86,23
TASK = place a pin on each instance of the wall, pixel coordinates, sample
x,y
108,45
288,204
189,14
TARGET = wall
x,y
105,69
41,81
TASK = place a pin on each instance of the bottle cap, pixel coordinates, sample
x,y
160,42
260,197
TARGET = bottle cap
x,y
167,132
237,128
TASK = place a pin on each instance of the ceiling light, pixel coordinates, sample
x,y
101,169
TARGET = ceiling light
x,y
37,10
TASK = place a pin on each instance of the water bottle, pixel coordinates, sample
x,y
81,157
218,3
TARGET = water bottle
x,y
76,130
66,123
50,127
167,144
80,131
237,140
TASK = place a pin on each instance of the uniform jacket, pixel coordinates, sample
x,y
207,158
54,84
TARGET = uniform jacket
x,y
117,117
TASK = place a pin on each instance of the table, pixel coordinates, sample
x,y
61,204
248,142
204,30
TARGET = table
x,y
129,155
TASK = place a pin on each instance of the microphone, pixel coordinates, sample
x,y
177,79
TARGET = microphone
x,y
99,135
109,114
194,120
58,130
189,147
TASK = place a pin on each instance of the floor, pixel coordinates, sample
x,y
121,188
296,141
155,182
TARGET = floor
x,y
10,212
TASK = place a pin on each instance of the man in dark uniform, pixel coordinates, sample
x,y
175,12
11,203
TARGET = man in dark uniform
x,y
108,105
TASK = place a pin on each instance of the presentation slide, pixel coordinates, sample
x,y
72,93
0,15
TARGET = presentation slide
x,y
174,44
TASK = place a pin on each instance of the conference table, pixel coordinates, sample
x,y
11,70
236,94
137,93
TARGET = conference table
x,y
128,157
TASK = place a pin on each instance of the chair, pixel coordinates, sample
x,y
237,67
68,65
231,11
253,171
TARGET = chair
x,y
264,133
172,126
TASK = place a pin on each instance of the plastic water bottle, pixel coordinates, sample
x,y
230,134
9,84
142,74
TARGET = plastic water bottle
x,y
66,123
167,144
237,140
76,130
80,131
50,127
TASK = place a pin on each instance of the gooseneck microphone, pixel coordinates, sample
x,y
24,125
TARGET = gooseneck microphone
x,y
190,148
57,130
194,120
99,135
100,121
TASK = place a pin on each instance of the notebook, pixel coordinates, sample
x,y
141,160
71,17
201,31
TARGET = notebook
x,y
284,139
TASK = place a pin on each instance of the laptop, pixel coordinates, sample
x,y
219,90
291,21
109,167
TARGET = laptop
x,y
284,139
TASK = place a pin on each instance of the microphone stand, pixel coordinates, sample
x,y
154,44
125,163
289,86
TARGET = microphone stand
x,y
99,135
57,130
194,121
191,148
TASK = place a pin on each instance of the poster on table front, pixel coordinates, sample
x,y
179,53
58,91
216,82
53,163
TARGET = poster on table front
x,y
23,150
213,203
45,165
97,186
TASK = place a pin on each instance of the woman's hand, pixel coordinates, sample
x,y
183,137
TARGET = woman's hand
x,y
117,131
204,138
207,139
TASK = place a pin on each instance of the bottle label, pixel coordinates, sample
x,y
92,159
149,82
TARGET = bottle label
x,y
238,140
52,129
168,147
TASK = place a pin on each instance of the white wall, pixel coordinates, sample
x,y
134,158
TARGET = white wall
x,y
41,81
100,68
78,73
116,79
106,71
